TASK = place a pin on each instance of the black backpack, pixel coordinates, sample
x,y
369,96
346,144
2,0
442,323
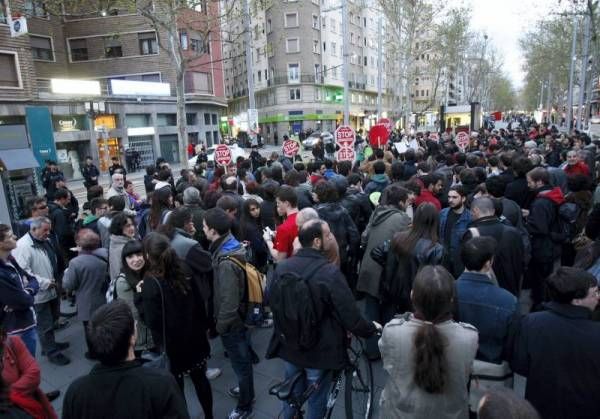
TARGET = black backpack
x,y
566,226
295,315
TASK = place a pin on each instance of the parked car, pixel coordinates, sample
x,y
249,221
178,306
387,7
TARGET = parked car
x,y
315,137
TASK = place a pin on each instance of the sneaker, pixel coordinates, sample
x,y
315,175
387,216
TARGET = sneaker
x,y
58,359
240,414
234,392
212,373
61,346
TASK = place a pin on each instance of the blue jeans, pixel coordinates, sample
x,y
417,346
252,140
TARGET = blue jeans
x,y
237,345
28,337
317,402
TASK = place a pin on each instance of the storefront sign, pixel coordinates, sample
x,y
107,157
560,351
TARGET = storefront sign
x,y
139,88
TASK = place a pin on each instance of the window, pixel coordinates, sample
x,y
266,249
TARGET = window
x,y
183,40
9,71
259,76
291,20
41,48
316,48
293,73
148,44
295,94
206,119
333,49
3,13
315,22
112,47
166,119
199,46
324,22
324,47
268,25
214,118
191,118
79,51
292,45
35,8
365,61
334,72
352,37
333,25
198,82
317,73
318,93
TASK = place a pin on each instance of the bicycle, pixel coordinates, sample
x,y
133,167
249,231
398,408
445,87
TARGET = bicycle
x,y
358,388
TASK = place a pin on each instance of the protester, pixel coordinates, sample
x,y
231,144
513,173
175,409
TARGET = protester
x,y
251,233
122,229
454,221
330,246
90,173
98,208
281,246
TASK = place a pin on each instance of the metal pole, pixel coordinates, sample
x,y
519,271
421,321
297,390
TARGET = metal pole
x,y
584,65
549,98
541,94
571,71
249,64
346,55
379,63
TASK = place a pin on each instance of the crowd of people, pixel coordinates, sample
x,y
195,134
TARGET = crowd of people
x,y
459,268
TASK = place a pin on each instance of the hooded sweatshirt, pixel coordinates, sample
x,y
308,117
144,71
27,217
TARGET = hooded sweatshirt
x,y
377,183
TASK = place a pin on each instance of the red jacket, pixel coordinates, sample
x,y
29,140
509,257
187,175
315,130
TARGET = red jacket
x,y
22,373
579,168
428,196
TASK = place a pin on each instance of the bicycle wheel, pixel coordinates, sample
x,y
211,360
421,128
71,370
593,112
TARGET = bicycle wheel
x,y
359,389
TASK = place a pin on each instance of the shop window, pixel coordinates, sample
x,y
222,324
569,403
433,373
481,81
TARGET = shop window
x,y
79,50
41,48
166,119
148,44
191,118
9,70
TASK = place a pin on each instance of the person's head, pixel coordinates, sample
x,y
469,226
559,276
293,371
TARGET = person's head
x,y
182,218
477,254
8,240
150,170
251,209
395,195
457,197
503,403
312,234
573,286
325,191
433,182
379,167
228,204
572,157
537,178
111,333
482,207
521,165
354,181
132,258
287,200
116,203
216,224
128,185
98,207
305,215
495,186
36,206
191,196
62,197
87,240
40,228
432,297
379,153
89,160
229,184
115,160
118,180
122,225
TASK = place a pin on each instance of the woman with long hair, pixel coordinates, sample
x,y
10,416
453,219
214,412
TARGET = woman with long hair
x,y
20,391
122,229
126,288
427,355
162,203
182,331
251,231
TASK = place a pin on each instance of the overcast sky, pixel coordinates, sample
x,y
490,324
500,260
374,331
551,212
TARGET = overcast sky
x,y
504,22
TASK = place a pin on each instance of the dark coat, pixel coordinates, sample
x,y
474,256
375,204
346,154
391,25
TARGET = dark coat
x,y
337,310
542,224
557,351
358,206
508,258
125,391
342,226
16,301
518,191
186,323
62,225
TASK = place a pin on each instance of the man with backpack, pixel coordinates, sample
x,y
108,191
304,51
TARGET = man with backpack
x,y
230,291
313,309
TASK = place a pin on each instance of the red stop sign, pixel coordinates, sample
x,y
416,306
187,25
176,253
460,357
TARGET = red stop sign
x,y
222,155
290,148
462,140
345,136
378,135
346,154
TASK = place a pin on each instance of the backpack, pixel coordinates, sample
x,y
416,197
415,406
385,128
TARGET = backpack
x,y
566,226
295,316
252,308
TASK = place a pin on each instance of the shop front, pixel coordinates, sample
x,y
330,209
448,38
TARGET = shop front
x,y
169,148
108,147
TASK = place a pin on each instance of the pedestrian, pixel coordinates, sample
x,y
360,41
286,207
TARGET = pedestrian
x,y
428,356
122,229
174,312
338,315
330,246
117,188
118,386
162,204
379,181
98,208
282,245
229,290
90,173
193,201
87,276
116,204
250,231
453,224
36,255
432,186
62,224
564,337
116,167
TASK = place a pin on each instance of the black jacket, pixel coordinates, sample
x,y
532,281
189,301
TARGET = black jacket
x,y
16,301
338,312
518,191
542,224
342,226
125,391
90,172
62,225
508,258
557,351
358,206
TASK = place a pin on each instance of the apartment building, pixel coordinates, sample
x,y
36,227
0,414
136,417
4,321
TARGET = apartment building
x,y
297,53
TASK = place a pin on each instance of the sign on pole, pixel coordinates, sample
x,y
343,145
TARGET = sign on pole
x,y
290,148
252,121
222,155
462,140
378,135
345,138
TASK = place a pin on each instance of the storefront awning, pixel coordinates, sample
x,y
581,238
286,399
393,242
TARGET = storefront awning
x,y
18,158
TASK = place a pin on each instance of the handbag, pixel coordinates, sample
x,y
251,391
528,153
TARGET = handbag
x,y
159,360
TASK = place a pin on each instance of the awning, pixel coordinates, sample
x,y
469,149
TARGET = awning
x,y
18,158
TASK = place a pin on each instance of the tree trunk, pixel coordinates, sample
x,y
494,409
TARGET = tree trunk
x,y
182,139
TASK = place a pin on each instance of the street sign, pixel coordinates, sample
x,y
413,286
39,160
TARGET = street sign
x,y
345,137
462,140
378,135
344,154
222,155
290,148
